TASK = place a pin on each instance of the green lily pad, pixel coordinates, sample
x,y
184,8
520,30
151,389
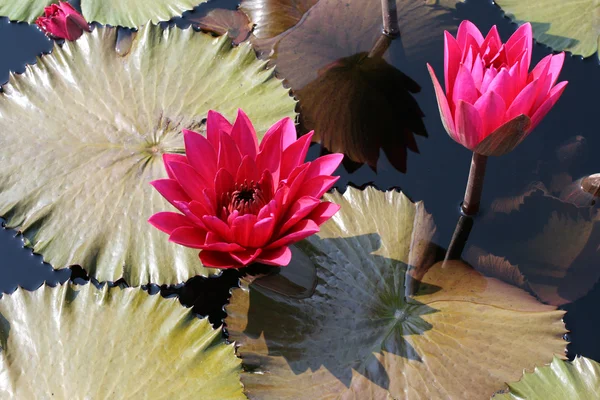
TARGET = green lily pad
x,y
128,13
80,342
82,133
27,11
562,25
357,336
577,380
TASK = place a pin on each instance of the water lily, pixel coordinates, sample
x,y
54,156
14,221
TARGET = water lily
x,y
62,21
492,101
241,202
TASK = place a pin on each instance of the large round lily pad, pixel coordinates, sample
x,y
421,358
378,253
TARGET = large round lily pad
x,y
358,336
129,13
82,133
80,342
561,380
563,25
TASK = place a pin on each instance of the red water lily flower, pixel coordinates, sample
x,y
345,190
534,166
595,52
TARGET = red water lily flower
x,y
62,21
490,91
241,202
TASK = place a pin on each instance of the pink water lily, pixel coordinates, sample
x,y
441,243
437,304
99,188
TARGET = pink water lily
x,y
490,92
62,21
241,202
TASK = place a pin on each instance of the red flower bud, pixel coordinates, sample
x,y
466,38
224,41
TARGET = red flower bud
x,y
62,21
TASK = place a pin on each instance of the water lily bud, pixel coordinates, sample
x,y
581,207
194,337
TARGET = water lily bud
x,y
62,21
492,101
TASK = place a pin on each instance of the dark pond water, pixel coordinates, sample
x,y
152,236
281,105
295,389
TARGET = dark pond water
x,y
557,153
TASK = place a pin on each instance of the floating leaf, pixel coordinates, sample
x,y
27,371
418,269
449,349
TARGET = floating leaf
x,y
332,59
83,133
76,342
273,17
17,10
357,336
562,25
234,23
374,110
561,380
554,245
128,13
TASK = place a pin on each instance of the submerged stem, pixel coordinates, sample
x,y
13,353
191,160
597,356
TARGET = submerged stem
x,y
474,190
390,18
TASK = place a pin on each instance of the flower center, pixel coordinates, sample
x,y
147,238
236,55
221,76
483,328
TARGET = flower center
x,y
247,198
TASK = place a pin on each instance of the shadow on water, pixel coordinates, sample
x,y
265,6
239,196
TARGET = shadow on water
x,y
526,196
355,314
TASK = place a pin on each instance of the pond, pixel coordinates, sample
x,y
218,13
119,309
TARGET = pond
x,y
537,230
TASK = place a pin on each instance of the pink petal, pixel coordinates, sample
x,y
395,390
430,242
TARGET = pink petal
x,y
169,158
200,154
169,221
229,154
516,52
521,39
301,230
288,133
502,85
556,64
325,165
192,182
452,57
299,210
201,207
284,128
477,71
465,29
295,155
224,182
189,237
464,87
488,77
263,230
541,75
445,113
218,259
195,219
492,41
215,243
541,112
294,183
269,157
266,184
215,124
491,109
323,212
219,227
247,170
523,102
246,257
271,209
468,125
316,187
170,190
278,257
242,229
244,135
468,60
